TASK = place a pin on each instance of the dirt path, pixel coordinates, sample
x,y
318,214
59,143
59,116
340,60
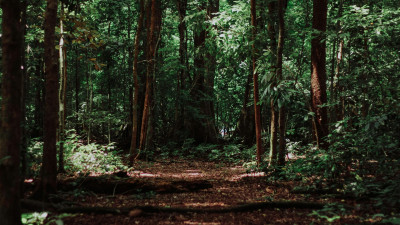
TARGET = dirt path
x,y
231,186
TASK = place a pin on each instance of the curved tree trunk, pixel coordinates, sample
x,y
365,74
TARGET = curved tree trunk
x,y
11,112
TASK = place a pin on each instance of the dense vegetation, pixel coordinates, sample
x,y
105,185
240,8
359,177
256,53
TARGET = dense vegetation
x,y
301,90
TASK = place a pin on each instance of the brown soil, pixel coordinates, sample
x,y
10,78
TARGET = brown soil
x,y
231,186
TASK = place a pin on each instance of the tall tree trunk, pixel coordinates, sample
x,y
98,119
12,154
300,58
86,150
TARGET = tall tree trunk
x,y
257,111
282,110
273,142
210,66
10,122
25,84
155,26
336,86
48,183
77,86
133,152
39,92
198,130
182,73
246,127
318,75
109,81
62,94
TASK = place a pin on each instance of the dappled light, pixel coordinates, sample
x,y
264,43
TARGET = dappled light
x,y
199,112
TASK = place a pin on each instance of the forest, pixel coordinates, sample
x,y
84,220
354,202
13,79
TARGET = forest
x,y
200,112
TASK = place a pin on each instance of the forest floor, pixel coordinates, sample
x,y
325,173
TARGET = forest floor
x,y
226,186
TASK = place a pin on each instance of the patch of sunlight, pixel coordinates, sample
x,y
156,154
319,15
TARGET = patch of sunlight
x,y
241,176
201,223
205,204
138,173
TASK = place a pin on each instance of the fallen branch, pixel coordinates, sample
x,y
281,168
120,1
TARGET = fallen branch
x,y
157,209
114,185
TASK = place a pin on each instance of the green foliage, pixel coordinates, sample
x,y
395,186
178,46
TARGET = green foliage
x,y
34,157
35,218
233,153
330,212
93,158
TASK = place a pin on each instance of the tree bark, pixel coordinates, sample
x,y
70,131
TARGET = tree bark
x,y
62,94
25,89
257,111
318,75
48,184
155,26
210,66
11,113
77,86
273,142
246,127
133,152
282,110
182,73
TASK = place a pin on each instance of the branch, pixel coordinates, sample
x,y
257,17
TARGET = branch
x,y
30,204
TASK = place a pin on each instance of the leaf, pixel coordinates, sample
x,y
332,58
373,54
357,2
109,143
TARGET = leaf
x,y
393,220
331,219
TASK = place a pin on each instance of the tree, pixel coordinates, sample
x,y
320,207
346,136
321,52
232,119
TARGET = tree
x,y
11,112
182,72
135,126
202,123
274,113
62,93
48,183
282,111
153,37
257,111
318,73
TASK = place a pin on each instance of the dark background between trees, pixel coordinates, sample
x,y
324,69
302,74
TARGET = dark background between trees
x,y
152,77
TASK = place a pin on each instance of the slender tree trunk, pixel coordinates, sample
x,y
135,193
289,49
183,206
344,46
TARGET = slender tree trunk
x,y
337,89
318,75
11,112
109,81
282,110
62,94
336,86
257,111
26,85
39,86
90,105
77,85
133,152
274,113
